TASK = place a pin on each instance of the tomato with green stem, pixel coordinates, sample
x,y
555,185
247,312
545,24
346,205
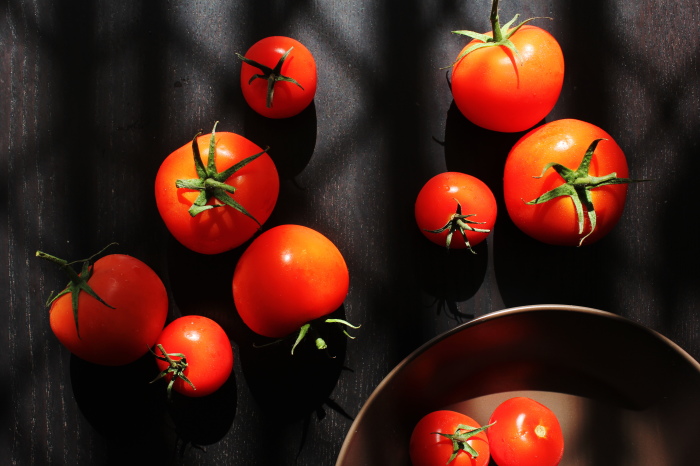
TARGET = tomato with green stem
x,y
455,203
448,437
194,355
215,193
111,312
508,79
278,77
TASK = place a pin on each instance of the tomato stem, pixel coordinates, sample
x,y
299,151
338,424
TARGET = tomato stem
x,y
460,439
272,75
176,368
461,223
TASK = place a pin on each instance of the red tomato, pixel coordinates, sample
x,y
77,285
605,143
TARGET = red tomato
x,y
287,277
212,220
200,352
122,327
278,77
525,433
500,90
458,204
589,207
431,444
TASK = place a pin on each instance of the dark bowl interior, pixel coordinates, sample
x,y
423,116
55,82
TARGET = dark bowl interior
x,y
624,394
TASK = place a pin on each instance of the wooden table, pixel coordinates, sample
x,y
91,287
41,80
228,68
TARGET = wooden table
x,y
95,95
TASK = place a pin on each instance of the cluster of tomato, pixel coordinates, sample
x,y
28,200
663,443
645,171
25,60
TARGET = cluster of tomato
x,y
213,194
564,183
520,432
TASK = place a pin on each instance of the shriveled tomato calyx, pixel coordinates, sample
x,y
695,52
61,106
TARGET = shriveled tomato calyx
x,y
176,367
501,34
461,223
460,439
578,185
318,340
272,75
78,281
211,183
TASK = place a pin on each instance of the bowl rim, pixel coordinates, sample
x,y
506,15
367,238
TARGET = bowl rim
x,y
493,315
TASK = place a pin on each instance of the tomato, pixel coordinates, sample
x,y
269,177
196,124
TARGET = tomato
x,y
525,433
289,276
453,202
121,308
194,354
214,205
432,441
548,208
278,77
502,90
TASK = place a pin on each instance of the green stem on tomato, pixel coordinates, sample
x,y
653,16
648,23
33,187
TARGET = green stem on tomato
x,y
176,368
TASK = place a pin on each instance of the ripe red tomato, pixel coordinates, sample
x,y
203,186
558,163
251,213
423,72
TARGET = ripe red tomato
x,y
455,203
199,351
580,211
500,90
121,327
525,433
446,437
278,77
287,277
195,194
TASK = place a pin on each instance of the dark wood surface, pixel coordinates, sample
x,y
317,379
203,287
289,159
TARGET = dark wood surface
x,y
94,95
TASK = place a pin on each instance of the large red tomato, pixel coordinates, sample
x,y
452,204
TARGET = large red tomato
x,y
278,77
448,437
500,89
287,277
121,308
565,183
455,210
212,205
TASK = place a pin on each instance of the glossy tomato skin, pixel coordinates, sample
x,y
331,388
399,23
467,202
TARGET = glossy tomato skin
x,y
525,433
287,277
563,141
206,347
427,448
223,228
499,91
289,99
113,337
437,202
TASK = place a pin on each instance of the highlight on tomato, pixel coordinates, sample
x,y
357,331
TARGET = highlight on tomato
x,y
194,355
524,432
565,183
448,437
289,277
455,203
111,312
216,192
278,77
508,79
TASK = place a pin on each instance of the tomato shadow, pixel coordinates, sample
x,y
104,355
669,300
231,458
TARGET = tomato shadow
x,y
291,141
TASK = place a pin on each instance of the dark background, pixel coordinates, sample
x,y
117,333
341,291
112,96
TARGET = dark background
x,y
94,95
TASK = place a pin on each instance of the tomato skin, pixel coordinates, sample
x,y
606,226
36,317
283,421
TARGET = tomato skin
x,y
289,99
427,448
513,438
206,347
287,277
223,228
563,141
436,204
113,337
499,91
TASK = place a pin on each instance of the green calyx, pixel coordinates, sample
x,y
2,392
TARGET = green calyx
x,y
462,224
578,185
211,183
501,34
271,75
176,367
78,281
459,439
320,342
